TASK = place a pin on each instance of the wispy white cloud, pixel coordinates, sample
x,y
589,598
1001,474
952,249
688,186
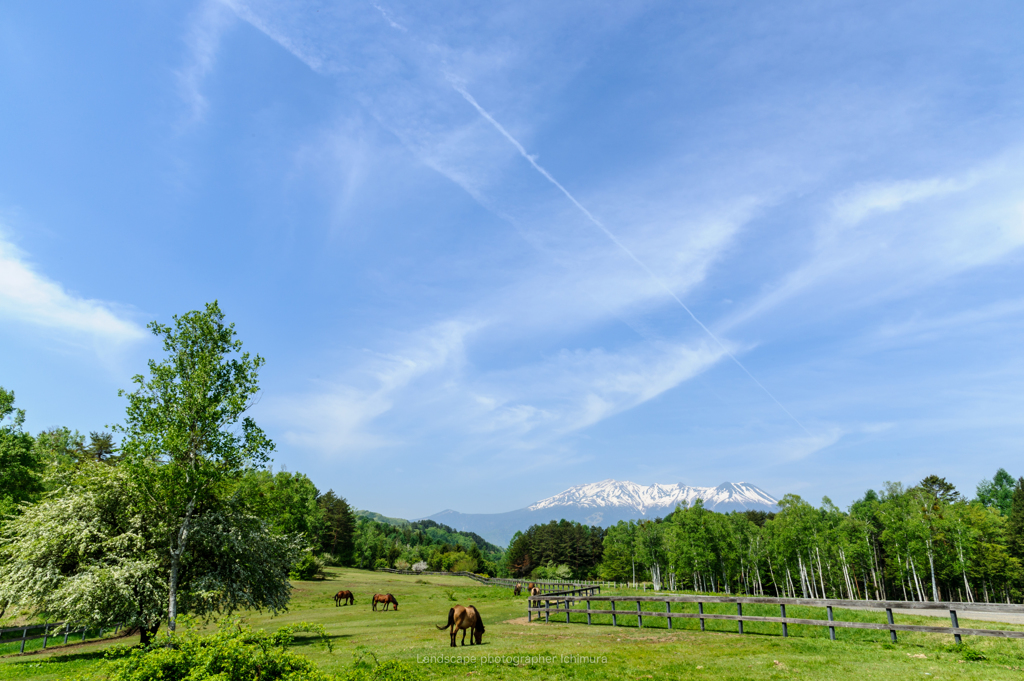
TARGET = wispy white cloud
x,y
334,418
889,240
577,389
921,328
853,206
207,26
31,298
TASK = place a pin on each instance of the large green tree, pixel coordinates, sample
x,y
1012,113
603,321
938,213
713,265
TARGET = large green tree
x,y
90,553
339,527
186,444
20,466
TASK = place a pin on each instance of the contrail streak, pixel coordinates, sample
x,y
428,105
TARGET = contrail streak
x,y
607,232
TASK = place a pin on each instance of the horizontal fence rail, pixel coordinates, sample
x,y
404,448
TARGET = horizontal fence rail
x,y
563,604
50,630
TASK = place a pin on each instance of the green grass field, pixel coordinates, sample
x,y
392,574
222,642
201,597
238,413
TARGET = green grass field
x,y
514,649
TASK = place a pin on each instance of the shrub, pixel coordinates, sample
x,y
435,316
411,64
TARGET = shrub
x,y
234,653
308,567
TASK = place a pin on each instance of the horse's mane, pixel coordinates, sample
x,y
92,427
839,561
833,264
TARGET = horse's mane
x,y
479,620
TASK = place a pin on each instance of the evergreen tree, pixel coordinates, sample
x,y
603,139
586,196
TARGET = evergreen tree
x,y
101,446
339,527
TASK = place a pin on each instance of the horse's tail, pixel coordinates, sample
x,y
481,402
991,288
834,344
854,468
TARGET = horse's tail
x,y
451,621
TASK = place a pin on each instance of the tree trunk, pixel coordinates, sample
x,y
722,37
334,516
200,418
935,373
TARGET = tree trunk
x,y
172,586
931,564
147,634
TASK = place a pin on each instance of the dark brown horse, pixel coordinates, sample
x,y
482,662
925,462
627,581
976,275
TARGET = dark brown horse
x,y
387,599
344,596
465,618
517,589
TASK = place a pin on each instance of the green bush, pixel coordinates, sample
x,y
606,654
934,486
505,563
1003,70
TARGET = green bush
x,y
308,567
235,653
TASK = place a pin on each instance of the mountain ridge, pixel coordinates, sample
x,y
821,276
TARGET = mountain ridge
x,y
605,503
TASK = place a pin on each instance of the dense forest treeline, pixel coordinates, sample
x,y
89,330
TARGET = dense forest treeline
x,y
925,542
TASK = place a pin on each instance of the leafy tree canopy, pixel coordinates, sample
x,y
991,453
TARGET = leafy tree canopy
x,y
187,443
997,492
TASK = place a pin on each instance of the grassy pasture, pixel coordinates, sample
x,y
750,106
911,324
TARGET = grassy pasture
x,y
518,650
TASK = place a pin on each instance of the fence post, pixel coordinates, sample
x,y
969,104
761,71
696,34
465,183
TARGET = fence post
x,y
668,611
739,611
892,632
67,630
547,611
956,625
567,611
588,612
831,629
46,630
613,613
700,609
24,636
785,627
639,617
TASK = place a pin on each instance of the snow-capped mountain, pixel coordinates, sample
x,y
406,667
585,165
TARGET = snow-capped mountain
x,y
660,498
606,503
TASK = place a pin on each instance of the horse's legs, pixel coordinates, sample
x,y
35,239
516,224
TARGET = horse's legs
x,y
463,637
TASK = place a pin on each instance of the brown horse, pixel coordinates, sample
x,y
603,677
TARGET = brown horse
x,y
465,618
345,596
517,589
386,599
534,590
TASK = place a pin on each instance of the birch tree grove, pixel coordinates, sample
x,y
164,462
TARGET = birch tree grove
x,y
922,543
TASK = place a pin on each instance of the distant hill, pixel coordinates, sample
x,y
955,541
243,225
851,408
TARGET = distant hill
x,y
397,522
439,533
606,503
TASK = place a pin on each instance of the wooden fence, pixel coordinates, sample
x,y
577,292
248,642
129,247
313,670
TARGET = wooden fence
x,y
49,630
563,604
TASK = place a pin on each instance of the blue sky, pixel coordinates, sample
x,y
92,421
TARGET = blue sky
x,y
474,241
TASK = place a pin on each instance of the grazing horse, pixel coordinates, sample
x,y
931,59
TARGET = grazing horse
x,y
465,618
386,599
517,589
345,596
534,589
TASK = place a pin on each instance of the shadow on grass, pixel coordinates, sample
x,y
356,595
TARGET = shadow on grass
x,y
56,659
